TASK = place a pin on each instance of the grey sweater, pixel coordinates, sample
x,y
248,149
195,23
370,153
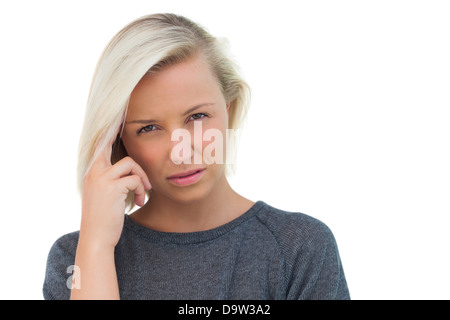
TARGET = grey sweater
x,y
266,253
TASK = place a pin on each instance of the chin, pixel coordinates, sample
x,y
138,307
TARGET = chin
x,y
193,193
185,195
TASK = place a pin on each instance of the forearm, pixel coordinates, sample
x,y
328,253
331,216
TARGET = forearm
x,y
97,277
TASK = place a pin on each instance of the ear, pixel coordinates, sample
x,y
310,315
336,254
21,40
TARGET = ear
x,y
228,109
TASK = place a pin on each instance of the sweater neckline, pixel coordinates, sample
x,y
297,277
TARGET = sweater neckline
x,y
190,237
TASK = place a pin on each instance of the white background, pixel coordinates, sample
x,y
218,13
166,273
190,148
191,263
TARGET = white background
x,y
349,124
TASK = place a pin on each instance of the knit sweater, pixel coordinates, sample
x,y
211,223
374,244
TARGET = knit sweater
x,y
266,253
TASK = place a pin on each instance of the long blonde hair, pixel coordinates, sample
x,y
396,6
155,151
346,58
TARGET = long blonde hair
x,y
147,45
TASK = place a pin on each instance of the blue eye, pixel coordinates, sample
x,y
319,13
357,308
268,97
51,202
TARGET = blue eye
x,y
146,129
198,116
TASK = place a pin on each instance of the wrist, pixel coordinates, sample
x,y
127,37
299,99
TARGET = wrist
x,y
97,274
94,244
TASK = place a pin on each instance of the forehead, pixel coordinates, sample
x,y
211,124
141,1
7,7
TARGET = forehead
x,y
175,88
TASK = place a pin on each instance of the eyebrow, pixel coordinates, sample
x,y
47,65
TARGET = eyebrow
x,y
184,114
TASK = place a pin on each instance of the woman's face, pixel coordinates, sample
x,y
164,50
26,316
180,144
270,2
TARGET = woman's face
x,y
161,105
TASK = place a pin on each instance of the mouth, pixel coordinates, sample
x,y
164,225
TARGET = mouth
x,y
186,174
187,178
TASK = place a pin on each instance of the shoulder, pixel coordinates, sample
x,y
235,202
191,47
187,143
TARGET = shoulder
x,y
60,258
294,229
65,245
313,268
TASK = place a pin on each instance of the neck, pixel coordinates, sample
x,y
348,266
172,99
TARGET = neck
x,y
220,206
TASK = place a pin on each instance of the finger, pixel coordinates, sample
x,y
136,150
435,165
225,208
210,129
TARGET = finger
x,y
134,183
106,154
103,159
127,166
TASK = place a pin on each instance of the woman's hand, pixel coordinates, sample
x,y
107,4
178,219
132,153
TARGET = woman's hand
x,y
105,190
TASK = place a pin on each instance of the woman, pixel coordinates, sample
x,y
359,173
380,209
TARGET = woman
x,y
160,79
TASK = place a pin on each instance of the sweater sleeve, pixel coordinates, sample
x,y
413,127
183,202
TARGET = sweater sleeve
x,y
60,261
316,271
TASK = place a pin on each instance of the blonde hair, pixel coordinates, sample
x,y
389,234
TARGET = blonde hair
x,y
145,46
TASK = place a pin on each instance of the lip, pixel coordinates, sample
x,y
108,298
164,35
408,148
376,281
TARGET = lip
x,y
187,178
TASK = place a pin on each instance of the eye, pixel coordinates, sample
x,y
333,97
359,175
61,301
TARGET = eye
x,y
198,116
148,128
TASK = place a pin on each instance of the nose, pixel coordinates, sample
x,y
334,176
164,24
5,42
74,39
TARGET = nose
x,y
186,146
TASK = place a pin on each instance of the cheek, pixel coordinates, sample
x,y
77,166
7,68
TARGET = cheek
x,y
214,142
147,159
146,154
218,122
